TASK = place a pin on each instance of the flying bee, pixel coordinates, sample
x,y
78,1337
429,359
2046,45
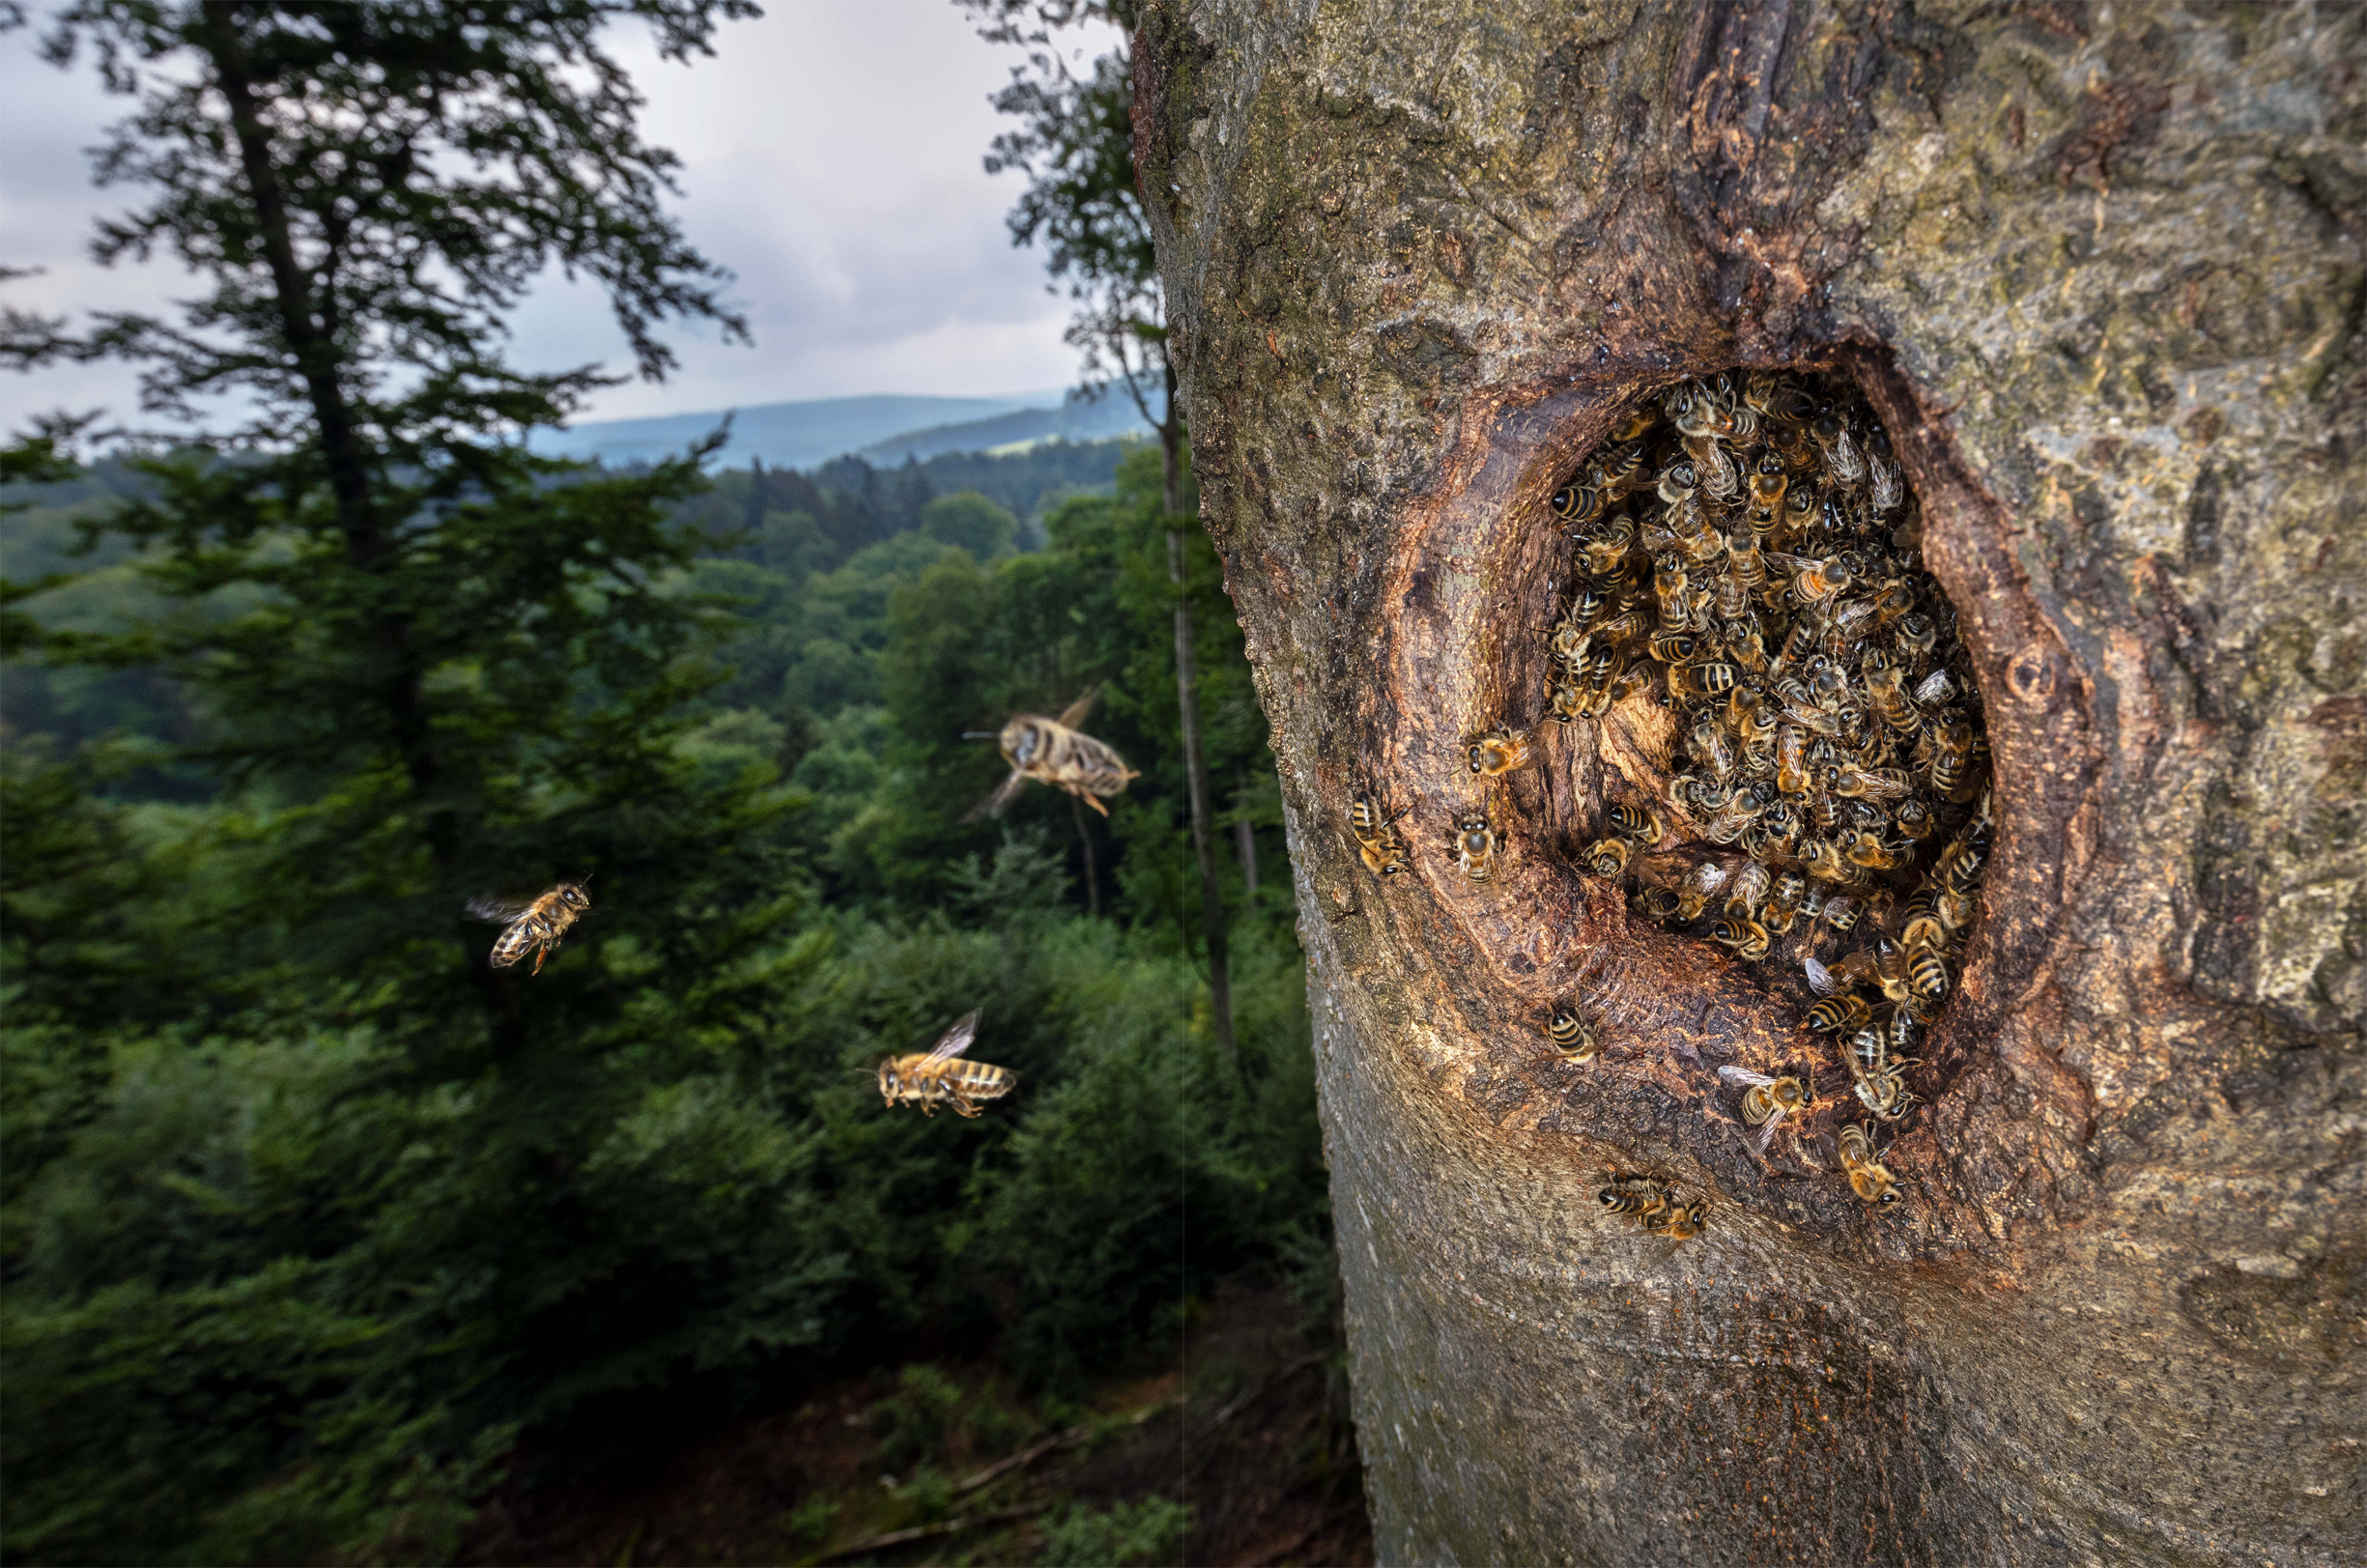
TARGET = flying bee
x,y
1766,1101
1476,845
1607,857
1701,680
1569,1035
1693,898
1747,937
1638,1197
1637,823
1377,837
1054,752
938,1076
1498,751
1868,1178
539,924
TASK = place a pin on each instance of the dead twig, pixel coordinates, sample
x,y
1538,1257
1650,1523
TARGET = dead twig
x,y
924,1532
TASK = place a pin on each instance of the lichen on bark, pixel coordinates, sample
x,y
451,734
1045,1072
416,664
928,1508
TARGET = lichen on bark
x,y
2099,271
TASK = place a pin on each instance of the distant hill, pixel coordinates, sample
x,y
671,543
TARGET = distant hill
x,y
793,434
1111,415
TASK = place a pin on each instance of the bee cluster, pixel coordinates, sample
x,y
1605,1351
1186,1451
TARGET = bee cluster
x,y
1746,557
1747,564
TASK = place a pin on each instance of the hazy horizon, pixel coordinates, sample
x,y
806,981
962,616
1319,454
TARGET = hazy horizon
x,y
831,158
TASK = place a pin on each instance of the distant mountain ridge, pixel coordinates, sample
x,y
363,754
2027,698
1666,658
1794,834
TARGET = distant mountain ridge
x,y
883,429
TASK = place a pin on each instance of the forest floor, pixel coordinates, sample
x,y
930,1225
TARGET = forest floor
x,y
1248,1428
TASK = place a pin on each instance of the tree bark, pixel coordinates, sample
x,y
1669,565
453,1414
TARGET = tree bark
x,y
2099,269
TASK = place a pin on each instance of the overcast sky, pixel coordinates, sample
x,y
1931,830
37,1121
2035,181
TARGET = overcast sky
x,y
832,161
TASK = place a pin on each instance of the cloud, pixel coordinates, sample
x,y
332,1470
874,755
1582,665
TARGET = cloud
x,y
832,161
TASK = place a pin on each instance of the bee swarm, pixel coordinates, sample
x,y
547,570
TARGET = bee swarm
x,y
1746,556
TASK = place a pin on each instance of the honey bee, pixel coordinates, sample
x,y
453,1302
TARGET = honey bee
x,y
1578,504
1784,904
1746,893
1881,1078
938,1076
538,924
1693,898
1953,776
1792,774
1712,749
1926,973
1634,423
1747,937
1677,483
1838,1014
1606,554
1476,845
1831,433
1914,819
1814,580
1674,648
1628,469
1922,927
1637,823
1887,488
1568,1033
1827,864
1916,636
1638,1196
1889,704
1054,752
1767,482
1655,904
1701,680
1767,1100
1498,751
1868,1178
1956,911
1959,867
1844,913
1868,850
1377,837
1607,857
1679,1222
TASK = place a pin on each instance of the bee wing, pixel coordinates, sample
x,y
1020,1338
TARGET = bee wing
x,y
498,911
1075,712
992,805
1766,1131
1710,875
1735,1074
1778,561
956,1040
1936,687
1820,979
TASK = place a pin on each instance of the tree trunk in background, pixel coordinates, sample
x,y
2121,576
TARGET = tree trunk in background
x,y
2099,269
1195,757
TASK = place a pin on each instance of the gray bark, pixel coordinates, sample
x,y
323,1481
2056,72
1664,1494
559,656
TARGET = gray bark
x,y
2099,270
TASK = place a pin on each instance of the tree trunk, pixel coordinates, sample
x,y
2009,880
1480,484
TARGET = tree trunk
x,y
2099,269
1187,705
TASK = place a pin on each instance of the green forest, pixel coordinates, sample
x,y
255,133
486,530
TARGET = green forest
x,y
315,1229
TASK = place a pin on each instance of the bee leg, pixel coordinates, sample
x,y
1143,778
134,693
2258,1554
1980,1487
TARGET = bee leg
x,y
1095,801
540,953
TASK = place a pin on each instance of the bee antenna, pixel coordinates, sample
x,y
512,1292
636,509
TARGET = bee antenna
x,y
981,734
